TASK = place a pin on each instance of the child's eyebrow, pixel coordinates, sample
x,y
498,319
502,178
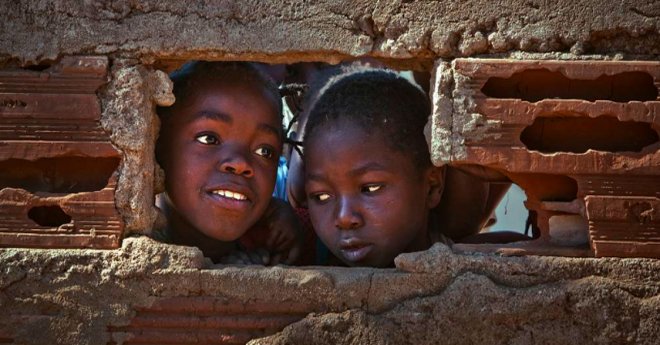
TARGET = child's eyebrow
x,y
213,115
315,177
270,129
371,166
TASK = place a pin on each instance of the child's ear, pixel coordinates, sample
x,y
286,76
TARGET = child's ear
x,y
436,178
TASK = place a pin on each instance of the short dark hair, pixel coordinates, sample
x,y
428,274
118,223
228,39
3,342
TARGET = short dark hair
x,y
378,101
235,71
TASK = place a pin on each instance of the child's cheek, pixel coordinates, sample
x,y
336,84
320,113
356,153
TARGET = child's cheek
x,y
323,223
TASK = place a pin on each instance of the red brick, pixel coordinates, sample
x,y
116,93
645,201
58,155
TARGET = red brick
x,y
500,146
208,320
570,129
58,166
624,226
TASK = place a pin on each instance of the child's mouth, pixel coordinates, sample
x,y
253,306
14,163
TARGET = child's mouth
x,y
355,251
229,199
229,194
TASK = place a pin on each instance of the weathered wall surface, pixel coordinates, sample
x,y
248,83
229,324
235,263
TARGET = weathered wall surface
x,y
327,30
580,137
129,102
148,292
491,300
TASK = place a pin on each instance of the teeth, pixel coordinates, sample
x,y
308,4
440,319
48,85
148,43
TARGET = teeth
x,y
230,194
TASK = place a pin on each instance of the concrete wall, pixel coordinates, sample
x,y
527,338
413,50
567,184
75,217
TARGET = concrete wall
x,y
148,292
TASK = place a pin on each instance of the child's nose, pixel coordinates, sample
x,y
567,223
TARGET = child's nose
x,y
235,162
348,217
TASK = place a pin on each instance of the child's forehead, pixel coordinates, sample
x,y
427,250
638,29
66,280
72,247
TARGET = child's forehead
x,y
250,95
348,128
334,136
350,138
247,87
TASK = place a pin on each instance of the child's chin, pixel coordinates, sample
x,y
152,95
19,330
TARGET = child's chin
x,y
226,233
368,262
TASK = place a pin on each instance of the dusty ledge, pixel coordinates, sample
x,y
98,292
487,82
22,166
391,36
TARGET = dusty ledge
x,y
96,296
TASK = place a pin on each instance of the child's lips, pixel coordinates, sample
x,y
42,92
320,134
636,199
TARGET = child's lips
x,y
230,194
354,250
230,197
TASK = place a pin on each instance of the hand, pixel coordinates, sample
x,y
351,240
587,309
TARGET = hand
x,y
285,240
239,257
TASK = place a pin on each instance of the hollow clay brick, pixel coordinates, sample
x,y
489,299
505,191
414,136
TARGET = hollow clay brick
x,y
564,130
624,225
208,320
58,177
494,140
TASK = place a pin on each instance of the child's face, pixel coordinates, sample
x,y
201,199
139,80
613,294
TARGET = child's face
x,y
367,202
220,152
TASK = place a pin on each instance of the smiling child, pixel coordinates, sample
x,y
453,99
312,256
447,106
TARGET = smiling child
x,y
369,179
219,147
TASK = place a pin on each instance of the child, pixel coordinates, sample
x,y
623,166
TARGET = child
x,y
219,147
369,179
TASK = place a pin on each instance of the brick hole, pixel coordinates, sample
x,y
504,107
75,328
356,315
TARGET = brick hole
x,y
38,68
579,134
537,84
546,187
510,213
58,175
51,216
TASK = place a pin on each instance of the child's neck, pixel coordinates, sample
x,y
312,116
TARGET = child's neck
x,y
422,242
435,229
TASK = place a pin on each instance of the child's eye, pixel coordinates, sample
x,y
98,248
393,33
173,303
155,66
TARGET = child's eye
x,y
371,188
321,197
207,139
266,152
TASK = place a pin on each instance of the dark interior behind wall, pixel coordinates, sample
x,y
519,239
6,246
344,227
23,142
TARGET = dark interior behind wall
x,y
579,134
49,216
534,85
58,175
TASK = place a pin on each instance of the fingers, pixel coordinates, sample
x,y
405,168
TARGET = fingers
x,y
276,259
256,257
276,237
232,259
294,255
263,256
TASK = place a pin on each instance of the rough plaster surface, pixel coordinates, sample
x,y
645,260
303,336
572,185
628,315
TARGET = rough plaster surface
x,y
128,103
71,296
75,296
279,30
495,300
440,137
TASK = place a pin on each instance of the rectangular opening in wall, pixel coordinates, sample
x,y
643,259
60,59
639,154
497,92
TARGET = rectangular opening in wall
x,y
49,216
580,134
58,175
294,82
534,85
509,222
